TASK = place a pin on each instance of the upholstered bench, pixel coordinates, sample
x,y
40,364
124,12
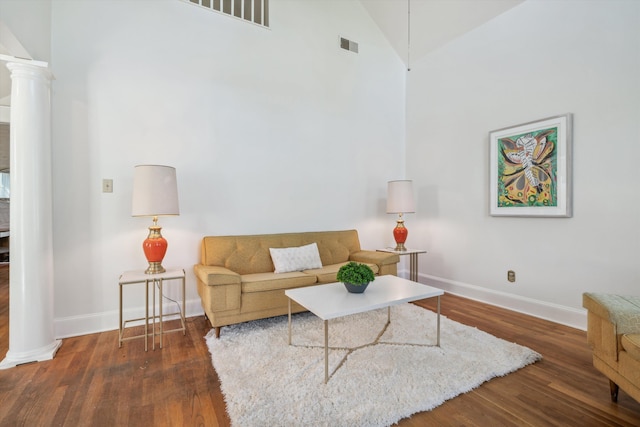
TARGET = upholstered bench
x,y
613,332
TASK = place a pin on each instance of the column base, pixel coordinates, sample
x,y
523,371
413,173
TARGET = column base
x,y
38,355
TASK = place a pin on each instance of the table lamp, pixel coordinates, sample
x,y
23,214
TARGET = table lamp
x,y
155,193
400,201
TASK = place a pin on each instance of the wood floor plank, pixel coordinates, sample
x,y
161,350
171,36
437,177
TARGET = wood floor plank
x,y
92,382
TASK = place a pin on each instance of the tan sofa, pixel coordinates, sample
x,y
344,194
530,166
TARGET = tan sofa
x,y
613,332
236,279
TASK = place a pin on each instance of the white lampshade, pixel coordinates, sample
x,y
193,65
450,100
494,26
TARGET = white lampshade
x,y
400,197
155,191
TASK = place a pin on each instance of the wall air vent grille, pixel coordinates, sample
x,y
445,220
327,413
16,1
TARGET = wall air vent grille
x,y
255,11
348,45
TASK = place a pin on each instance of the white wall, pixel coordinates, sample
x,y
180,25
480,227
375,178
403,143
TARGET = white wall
x,y
539,59
280,130
270,130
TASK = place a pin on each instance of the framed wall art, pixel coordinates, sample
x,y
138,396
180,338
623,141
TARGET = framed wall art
x,y
530,169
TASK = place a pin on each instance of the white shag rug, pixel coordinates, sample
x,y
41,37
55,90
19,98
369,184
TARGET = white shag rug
x,y
267,382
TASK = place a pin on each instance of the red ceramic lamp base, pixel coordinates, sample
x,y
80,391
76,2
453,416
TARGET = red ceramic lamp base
x,y
155,247
400,234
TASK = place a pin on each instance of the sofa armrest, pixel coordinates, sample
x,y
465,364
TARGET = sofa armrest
x,y
215,275
374,257
219,288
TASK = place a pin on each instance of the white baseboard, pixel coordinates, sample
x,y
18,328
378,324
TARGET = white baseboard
x,y
569,316
108,321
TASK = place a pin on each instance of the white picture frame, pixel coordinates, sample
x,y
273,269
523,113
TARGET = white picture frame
x,y
530,169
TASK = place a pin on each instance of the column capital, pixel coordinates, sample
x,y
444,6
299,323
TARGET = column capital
x,y
21,69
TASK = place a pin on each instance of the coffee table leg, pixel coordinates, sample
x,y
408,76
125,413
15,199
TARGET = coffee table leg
x,y
326,351
289,321
438,342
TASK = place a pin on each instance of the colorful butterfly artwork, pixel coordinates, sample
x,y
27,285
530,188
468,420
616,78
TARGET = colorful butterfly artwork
x,y
527,169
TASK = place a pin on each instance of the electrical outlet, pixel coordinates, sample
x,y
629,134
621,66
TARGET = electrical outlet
x,y
107,186
511,276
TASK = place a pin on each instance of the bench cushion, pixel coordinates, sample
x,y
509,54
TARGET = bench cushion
x,y
621,310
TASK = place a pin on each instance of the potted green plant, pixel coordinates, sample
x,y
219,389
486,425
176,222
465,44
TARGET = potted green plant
x,y
355,276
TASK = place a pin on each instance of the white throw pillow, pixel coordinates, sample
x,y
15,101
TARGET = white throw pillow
x,y
295,259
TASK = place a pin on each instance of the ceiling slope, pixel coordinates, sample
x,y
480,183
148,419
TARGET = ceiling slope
x,y
433,23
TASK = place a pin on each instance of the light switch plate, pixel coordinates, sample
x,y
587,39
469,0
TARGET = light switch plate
x,y
107,186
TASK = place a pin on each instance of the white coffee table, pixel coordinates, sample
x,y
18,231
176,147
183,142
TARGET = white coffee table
x,y
332,300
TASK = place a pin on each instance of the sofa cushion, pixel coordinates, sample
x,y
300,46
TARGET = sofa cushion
x,y
259,282
295,259
631,343
327,274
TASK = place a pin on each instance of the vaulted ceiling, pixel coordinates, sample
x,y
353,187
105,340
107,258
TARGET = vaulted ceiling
x,y
433,23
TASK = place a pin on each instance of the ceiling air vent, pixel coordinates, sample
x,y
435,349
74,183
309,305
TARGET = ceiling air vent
x,y
348,45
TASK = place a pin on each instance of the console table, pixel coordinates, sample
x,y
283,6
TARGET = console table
x,y
413,260
156,281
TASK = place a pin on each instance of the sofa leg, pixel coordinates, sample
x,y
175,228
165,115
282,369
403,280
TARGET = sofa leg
x,y
217,328
614,391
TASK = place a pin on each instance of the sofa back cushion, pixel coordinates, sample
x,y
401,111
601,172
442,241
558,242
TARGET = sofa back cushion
x,y
250,254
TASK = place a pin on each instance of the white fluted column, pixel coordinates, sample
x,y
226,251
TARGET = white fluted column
x,y
31,336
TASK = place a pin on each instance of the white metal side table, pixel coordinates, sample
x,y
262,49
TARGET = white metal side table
x,y
413,259
156,281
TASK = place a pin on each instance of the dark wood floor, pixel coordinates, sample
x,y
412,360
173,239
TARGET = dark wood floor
x,y
92,382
